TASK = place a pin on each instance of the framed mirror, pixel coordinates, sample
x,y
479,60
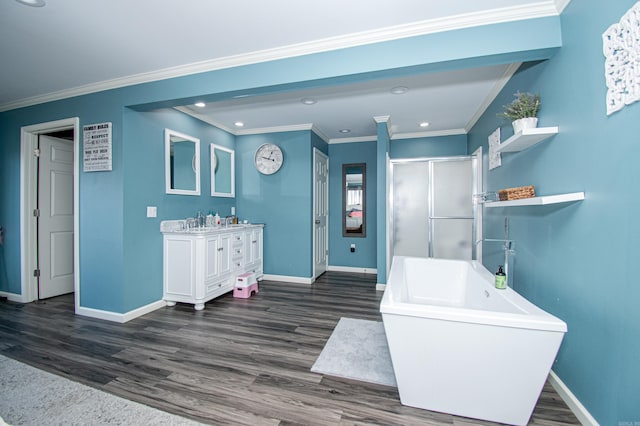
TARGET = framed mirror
x,y
182,163
223,180
354,218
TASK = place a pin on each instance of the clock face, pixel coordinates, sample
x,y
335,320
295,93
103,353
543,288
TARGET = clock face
x,y
268,159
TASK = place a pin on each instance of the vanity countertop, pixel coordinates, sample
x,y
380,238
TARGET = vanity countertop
x,y
178,227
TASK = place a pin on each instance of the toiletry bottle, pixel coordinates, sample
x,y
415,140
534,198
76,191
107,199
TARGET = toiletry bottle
x,y
216,219
501,279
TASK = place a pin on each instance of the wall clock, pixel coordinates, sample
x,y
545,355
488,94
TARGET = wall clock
x,y
268,159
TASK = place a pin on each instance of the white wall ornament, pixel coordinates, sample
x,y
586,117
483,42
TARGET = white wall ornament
x,y
495,158
621,48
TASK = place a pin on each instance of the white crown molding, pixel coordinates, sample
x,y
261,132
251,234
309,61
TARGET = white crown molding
x,y
387,120
262,130
320,134
317,131
449,23
493,93
335,141
206,119
382,119
275,129
415,135
561,5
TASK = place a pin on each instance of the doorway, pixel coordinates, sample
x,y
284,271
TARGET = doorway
x,y
433,210
320,212
49,186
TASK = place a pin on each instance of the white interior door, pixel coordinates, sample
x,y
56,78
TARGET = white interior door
x,y
320,212
55,224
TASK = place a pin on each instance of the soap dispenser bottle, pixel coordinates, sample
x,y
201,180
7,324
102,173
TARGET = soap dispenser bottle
x,y
501,279
216,219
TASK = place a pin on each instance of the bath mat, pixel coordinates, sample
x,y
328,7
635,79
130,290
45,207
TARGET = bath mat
x,y
357,349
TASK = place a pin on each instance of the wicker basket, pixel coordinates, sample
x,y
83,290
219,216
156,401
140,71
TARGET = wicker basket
x,y
516,193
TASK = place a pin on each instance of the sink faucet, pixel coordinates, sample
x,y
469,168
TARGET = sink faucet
x,y
228,220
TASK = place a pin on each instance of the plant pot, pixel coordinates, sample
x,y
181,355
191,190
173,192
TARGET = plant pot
x,y
524,123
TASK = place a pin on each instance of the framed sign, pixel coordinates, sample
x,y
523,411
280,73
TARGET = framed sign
x,y
96,146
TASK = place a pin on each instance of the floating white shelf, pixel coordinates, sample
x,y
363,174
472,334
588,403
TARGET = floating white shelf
x,y
538,201
526,139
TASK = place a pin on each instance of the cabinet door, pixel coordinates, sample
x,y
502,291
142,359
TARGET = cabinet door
x,y
254,245
179,267
224,253
212,267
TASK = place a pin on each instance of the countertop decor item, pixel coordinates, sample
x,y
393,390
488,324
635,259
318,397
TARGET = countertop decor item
x,y
523,111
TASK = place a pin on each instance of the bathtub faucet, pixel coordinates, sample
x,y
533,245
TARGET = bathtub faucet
x,y
509,250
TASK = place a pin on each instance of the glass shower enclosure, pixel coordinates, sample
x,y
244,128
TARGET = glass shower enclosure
x,y
433,211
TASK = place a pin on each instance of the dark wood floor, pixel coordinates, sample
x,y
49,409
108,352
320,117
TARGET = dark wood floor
x,y
240,361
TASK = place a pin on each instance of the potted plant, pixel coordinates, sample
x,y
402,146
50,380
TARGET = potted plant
x,y
523,110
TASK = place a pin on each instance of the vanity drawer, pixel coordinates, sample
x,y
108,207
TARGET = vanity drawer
x,y
237,264
237,252
219,287
237,239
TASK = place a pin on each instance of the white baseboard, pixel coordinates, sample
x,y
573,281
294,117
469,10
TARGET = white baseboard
x,y
117,317
380,287
352,269
572,402
288,279
13,297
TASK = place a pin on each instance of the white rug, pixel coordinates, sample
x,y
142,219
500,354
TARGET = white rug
x,y
34,397
358,350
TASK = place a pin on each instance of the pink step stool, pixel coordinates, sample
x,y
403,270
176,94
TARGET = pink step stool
x,y
246,285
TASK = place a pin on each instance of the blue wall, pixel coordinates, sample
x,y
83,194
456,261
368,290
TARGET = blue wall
x,y
144,174
382,154
339,246
577,261
282,201
435,146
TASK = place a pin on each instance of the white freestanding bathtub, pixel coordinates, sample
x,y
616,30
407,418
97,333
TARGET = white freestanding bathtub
x,y
460,346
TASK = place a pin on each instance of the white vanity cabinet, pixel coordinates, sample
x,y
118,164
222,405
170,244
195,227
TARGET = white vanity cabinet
x,y
201,265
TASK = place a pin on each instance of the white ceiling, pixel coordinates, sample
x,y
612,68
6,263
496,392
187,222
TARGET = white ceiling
x,y
71,47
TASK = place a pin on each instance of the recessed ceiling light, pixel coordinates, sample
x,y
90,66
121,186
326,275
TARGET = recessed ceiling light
x,y
32,3
238,124
424,124
308,101
200,104
399,90
344,131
